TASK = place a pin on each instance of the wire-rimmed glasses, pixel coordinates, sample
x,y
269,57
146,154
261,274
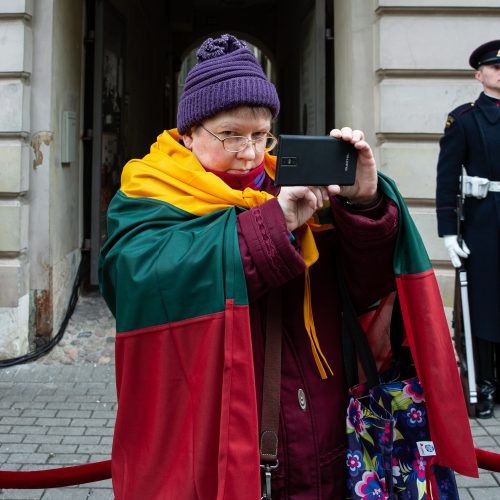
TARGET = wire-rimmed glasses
x,y
237,143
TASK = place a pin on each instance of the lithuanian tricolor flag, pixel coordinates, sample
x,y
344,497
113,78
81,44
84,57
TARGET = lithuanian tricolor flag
x,y
172,275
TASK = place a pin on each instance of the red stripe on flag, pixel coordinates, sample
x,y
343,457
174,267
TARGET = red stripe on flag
x,y
432,349
187,420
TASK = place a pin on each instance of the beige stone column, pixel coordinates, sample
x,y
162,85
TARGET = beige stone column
x,y
15,90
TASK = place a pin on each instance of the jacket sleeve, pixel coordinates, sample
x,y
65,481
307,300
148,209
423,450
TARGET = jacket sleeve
x,y
453,154
269,255
366,240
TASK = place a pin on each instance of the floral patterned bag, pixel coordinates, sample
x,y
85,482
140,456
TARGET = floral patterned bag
x,y
390,454
389,450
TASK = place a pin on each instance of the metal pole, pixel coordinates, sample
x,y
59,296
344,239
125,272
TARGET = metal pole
x,y
471,375
462,274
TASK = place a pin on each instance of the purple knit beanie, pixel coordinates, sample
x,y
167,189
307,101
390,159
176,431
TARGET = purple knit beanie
x,y
227,75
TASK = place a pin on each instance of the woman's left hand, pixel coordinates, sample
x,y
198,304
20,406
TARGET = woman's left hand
x,y
364,189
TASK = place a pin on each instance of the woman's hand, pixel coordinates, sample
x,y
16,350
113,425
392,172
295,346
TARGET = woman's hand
x,y
300,202
364,189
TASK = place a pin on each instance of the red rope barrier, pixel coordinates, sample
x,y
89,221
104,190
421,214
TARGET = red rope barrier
x,y
98,471
55,478
488,460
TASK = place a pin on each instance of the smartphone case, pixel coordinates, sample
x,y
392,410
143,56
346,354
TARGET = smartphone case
x,y
306,160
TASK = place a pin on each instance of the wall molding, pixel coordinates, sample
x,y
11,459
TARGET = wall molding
x,y
15,135
9,196
384,73
16,16
11,256
445,11
420,202
383,137
15,75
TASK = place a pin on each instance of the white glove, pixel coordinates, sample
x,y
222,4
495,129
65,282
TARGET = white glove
x,y
455,251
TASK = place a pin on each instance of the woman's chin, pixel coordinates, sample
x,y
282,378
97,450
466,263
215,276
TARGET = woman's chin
x,y
239,171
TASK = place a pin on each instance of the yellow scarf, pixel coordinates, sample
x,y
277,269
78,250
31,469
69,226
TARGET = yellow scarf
x,y
171,173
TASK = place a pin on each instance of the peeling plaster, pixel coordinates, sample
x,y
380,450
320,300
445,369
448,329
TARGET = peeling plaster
x,y
42,137
43,313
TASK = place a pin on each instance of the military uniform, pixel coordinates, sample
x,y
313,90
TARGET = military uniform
x,y
472,140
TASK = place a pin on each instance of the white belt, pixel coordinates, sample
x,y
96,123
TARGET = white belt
x,y
494,186
478,187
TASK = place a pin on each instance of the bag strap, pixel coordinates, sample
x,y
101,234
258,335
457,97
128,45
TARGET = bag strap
x,y
272,381
354,339
271,392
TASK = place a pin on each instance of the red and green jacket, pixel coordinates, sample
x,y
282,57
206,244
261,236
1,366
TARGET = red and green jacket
x,y
171,272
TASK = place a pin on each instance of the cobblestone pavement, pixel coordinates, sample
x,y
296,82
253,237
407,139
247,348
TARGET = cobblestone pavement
x,y
89,337
60,411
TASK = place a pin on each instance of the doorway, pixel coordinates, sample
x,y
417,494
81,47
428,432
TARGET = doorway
x,y
140,49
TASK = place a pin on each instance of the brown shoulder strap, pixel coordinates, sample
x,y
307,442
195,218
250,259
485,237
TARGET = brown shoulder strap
x,y
272,381
271,393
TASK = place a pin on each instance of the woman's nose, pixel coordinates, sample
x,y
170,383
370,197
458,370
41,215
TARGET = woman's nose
x,y
249,152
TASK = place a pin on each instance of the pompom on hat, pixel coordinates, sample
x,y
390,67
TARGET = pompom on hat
x,y
488,53
226,76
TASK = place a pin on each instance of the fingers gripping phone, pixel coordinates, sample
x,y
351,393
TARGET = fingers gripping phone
x,y
307,160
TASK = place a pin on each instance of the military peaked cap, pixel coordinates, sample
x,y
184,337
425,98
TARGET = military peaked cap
x,y
488,53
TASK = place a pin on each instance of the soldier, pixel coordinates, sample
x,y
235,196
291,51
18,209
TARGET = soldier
x,y
472,140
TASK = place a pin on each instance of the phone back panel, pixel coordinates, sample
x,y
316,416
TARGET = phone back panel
x,y
305,160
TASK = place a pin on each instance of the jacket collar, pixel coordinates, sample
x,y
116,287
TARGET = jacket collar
x,y
489,108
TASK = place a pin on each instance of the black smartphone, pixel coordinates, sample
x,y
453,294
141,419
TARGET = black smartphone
x,y
309,160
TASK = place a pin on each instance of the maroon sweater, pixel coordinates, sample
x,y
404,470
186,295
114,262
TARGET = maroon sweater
x,y
312,440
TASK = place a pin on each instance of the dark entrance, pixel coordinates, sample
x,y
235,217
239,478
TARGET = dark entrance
x,y
135,50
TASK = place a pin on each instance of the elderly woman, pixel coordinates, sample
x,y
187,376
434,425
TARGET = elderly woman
x,y
204,252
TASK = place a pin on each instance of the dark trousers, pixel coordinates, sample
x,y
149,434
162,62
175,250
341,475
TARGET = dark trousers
x,y
487,359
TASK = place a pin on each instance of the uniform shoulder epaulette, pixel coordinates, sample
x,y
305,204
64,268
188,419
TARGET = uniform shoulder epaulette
x,y
464,108
458,112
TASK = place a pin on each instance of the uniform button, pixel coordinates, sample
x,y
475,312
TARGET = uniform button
x,y
302,399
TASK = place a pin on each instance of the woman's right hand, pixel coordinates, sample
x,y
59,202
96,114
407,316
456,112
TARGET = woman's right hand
x,y
300,202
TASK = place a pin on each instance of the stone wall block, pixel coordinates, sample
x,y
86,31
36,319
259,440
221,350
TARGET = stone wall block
x,y
421,106
15,46
425,220
14,323
412,165
14,103
416,52
17,7
14,167
446,283
439,3
13,226
14,279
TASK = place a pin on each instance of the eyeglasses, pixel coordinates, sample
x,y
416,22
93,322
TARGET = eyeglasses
x,y
237,143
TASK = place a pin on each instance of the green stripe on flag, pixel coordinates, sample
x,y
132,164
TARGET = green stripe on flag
x,y
161,264
410,255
